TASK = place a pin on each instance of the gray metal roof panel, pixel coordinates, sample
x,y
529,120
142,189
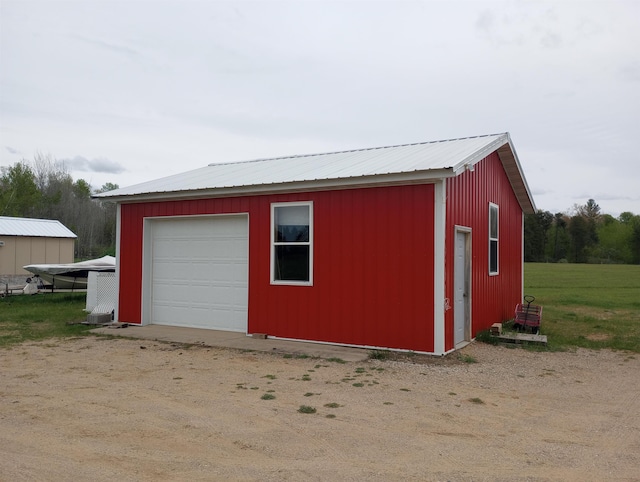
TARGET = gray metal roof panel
x,y
47,228
381,161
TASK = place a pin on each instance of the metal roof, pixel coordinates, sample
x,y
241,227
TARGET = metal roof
x,y
46,228
374,166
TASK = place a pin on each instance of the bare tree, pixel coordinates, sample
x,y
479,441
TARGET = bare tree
x,y
44,189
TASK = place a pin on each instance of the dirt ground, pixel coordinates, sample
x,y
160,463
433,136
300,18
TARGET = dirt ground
x,y
117,409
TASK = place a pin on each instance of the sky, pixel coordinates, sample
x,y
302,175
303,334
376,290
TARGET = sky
x,y
124,92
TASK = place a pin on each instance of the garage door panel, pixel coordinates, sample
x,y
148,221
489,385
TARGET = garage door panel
x,y
200,272
165,294
227,295
227,272
203,317
168,272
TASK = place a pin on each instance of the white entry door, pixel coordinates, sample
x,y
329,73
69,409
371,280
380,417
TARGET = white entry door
x,y
199,272
462,287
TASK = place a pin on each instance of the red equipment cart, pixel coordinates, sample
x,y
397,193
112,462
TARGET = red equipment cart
x,y
528,316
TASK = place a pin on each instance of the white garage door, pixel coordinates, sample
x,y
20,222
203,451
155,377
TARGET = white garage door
x,y
199,272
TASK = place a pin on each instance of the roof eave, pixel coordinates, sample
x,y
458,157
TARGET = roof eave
x,y
18,235
378,180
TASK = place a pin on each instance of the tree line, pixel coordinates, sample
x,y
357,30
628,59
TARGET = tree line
x,y
583,236
44,189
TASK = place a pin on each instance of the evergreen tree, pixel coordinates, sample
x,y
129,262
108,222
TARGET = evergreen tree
x,y
635,240
579,232
536,228
560,238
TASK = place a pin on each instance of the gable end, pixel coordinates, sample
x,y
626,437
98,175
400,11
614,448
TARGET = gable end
x,y
512,168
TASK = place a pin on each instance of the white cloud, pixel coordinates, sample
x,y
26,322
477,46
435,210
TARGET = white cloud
x,y
79,163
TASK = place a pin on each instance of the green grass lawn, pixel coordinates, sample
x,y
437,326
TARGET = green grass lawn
x,y
587,305
42,316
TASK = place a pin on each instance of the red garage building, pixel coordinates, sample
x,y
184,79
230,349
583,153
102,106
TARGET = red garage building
x,y
412,247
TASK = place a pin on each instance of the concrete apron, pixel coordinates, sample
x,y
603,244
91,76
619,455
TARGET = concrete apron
x,y
230,339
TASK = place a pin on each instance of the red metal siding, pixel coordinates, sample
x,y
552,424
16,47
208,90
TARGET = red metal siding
x,y
468,197
373,266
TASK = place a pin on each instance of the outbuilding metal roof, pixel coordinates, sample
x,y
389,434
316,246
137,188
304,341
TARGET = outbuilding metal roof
x,y
408,163
46,228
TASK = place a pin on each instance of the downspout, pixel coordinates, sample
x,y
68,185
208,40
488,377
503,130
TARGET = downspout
x,y
440,208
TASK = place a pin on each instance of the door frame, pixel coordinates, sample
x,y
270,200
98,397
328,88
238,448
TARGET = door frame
x,y
467,232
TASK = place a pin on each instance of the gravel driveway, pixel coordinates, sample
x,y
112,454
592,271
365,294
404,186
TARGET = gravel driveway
x,y
104,409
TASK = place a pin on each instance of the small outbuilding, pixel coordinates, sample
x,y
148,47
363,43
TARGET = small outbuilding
x,y
410,247
25,241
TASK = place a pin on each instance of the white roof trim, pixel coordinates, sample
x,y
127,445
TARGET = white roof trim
x,y
300,186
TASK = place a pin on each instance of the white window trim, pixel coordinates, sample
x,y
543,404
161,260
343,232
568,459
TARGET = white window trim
x,y
273,244
496,239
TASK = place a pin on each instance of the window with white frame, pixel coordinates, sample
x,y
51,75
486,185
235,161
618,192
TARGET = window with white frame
x,y
292,243
493,238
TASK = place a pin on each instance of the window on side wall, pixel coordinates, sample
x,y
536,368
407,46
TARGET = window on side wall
x,y
493,238
292,243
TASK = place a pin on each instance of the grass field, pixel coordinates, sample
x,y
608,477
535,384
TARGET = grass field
x,y
586,305
38,317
